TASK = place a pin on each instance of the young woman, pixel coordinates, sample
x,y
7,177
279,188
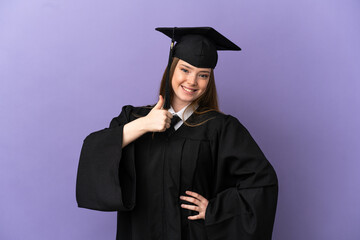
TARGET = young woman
x,y
185,171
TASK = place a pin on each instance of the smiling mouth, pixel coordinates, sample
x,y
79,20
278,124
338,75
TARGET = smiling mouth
x,y
188,90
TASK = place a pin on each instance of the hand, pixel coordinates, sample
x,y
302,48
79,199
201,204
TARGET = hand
x,y
158,119
200,202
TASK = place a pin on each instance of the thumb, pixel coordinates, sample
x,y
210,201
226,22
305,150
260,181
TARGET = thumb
x,y
160,103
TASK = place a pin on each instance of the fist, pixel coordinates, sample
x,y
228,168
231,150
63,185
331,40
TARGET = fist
x,y
158,119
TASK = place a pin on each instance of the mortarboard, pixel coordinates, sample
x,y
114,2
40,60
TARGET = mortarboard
x,y
196,45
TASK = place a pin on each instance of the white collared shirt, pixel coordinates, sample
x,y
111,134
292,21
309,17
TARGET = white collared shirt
x,y
187,114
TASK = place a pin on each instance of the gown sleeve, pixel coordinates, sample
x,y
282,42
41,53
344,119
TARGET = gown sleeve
x,y
106,172
246,188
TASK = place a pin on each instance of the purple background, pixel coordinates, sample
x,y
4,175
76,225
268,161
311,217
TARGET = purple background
x,y
67,67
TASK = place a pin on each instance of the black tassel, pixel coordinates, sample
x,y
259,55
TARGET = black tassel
x,y
167,83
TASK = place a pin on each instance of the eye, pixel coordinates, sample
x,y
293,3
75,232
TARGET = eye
x,y
204,76
184,70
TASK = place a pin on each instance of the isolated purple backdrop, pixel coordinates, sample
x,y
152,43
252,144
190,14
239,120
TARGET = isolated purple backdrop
x,y
67,67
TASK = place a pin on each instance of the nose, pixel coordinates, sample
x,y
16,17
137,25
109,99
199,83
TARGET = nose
x,y
192,79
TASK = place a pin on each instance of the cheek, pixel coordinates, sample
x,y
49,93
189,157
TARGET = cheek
x,y
175,79
174,83
204,85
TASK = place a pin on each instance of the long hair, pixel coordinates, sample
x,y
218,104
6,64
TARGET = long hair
x,y
207,102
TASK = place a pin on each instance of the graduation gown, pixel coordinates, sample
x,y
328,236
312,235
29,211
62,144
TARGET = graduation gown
x,y
144,180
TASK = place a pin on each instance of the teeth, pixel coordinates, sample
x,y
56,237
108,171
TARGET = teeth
x,y
188,90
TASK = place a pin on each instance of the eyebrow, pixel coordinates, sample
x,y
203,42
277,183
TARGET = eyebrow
x,y
192,68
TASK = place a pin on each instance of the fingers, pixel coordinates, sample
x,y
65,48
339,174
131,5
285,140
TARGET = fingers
x,y
159,119
191,207
169,115
190,199
200,206
195,217
195,195
201,211
160,103
164,127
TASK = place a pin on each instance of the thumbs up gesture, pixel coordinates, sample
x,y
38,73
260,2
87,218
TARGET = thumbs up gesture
x,y
158,119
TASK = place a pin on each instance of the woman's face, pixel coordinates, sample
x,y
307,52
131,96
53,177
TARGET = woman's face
x,y
188,83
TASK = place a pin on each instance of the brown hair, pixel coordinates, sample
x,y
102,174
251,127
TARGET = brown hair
x,y
207,102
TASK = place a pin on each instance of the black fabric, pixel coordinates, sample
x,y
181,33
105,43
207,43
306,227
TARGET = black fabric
x,y
143,181
197,50
219,40
173,122
175,119
198,45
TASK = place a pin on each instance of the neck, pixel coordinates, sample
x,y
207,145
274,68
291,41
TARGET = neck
x,y
178,106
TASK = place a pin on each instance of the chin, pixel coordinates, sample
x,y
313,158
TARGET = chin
x,y
188,99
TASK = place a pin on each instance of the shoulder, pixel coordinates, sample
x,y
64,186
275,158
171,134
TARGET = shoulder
x,y
132,112
202,115
221,123
220,118
129,113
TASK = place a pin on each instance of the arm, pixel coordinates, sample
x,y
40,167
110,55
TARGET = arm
x,y
246,188
106,178
157,120
134,130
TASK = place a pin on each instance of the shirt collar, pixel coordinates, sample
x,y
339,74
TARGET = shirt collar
x,y
187,114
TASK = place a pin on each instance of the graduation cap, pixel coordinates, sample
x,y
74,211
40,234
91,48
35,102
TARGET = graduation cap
x,y
197,46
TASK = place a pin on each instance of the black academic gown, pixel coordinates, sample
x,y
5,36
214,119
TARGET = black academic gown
x,y
143,181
